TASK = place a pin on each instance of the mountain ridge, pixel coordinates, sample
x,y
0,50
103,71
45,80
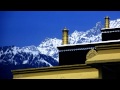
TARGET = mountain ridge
x,y
19,58
46,53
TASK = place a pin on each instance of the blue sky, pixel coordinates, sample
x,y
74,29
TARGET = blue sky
x,y
24,28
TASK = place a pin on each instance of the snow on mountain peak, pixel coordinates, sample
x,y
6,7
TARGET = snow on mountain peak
x,y
87,36
49,47
30,49
55,41
115,23
74,37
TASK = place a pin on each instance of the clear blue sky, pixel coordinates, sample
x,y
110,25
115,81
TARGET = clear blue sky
x,y
24,28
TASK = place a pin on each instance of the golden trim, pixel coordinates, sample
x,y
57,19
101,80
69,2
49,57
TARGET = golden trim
x,y
86,73
104,58
48,69
91,54
116,45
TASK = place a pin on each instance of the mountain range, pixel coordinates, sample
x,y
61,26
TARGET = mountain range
x,y
46,54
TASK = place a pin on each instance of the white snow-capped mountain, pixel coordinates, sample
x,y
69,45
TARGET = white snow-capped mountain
x,y
115,23
49,46
28,49
31,49
25,57
92,35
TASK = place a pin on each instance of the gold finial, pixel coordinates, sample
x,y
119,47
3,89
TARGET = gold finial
x,y
65,36
107,17
107,22
65,28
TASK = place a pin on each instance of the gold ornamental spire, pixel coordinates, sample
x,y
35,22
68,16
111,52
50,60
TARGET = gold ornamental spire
x,y
107,22
65,36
